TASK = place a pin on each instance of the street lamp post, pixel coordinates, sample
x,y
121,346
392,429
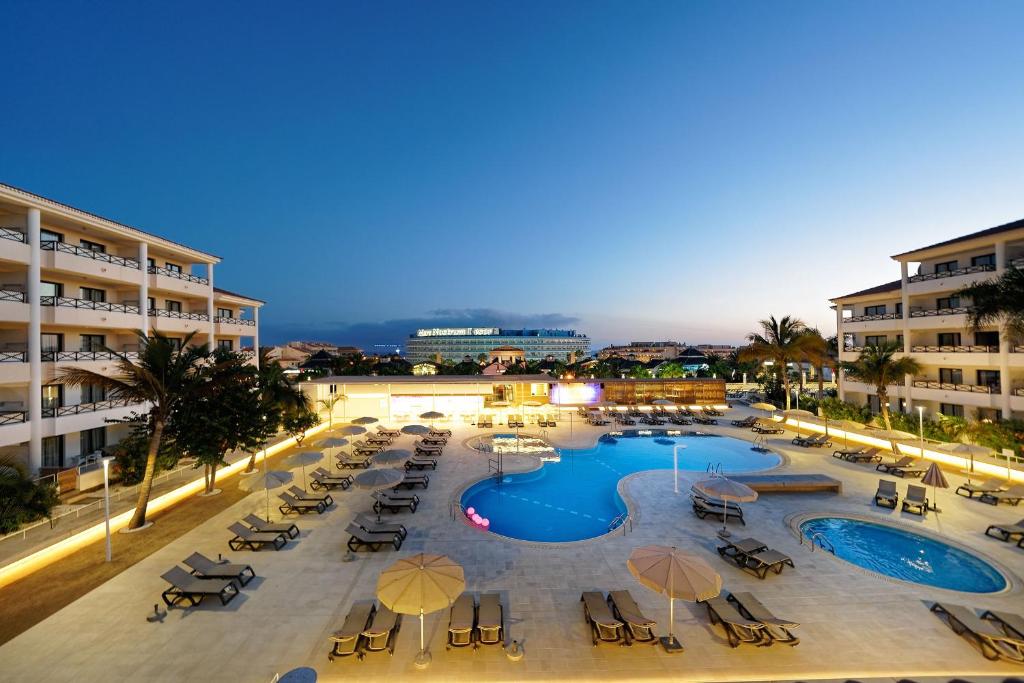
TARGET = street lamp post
x,y
920,427
106,499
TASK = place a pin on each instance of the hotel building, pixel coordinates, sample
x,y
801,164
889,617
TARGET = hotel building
x,y
72,284
963,372
643,351
455,343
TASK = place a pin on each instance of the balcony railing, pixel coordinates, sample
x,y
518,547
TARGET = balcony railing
x,y
61,411
955,349
50,245
10,417
12,295
1018,392
13,357
178,275
949,386
875,316
235,321
12,234
933,312
62,356
181,315
950,273
1017,349
857,349
86,303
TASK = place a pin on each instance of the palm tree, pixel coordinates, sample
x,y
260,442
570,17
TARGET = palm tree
x,y
879,366
817,354
328,405
781,341
162,377
279,395
999,301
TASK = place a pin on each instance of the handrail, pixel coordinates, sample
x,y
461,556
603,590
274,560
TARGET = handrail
x,y
159,270
621,520
78,408
10,417
933,312
12,234
986,268
52,245
873,316
12,356
68,302
823,542
162,313
234,321
951,386
58,356
12,295
955,349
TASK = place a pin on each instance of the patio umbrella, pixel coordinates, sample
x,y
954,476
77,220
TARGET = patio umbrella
x,y
798,413
726,489
265,480
301,460
431,415
934,478
330,442
392,455
378,480
364,420
351,430
676,574
965,450
846,426
419,585
418,430
894,436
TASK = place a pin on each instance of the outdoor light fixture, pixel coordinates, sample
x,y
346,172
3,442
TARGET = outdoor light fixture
x,y
106,499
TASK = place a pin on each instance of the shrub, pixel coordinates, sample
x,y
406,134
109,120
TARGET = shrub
x,y
21,499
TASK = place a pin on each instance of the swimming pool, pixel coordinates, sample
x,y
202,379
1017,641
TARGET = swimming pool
x,y
573,495
905,555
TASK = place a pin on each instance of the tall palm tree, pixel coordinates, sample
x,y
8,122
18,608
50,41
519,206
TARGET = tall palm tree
x,y
1000,300
781,341
162,376
879,366
279,395
817,354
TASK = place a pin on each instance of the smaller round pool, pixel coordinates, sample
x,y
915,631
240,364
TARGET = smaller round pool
x,y
905,555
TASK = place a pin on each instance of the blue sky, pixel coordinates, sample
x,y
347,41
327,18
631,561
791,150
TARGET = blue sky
x,y
636,170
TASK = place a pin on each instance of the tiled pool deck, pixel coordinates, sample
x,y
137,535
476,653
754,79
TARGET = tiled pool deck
x,y
854,624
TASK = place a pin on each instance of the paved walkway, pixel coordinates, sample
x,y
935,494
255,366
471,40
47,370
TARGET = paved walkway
x,y
854,624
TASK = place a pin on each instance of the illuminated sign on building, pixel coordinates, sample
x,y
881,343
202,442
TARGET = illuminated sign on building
x,y
457,332
573,394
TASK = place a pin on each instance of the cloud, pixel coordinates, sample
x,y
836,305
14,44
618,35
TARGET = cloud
x,y
395,331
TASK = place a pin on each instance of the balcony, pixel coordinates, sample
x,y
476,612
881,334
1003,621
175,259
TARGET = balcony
x,y
236,321
85,356
12,234
179,322
101,256
88,304
924,277
171,280
954,349
62,310
949,386
78,409
177,275
934,312
13,246
13,308
10,417
70,258
877,316
178,315
14,367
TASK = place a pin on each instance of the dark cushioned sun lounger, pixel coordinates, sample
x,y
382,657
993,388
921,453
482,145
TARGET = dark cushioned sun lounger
x,y
890,467
205,568
738,629
886,495
703,507
254,540
303,495
414,479
260,524
382,501
916,500
842,453
461,619
761,562
639,627
361,538
193,589
993,642
292,504
604,627
354,463
346,639
870,455
970,489
322,479
384,431
420,463
371,524
778,630
380,634
1006,531
738,550
490,620
1013,495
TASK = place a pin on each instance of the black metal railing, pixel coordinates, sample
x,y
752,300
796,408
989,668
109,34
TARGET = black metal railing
x,y
235,321
955,349
61,356
12,234
950,273
13,357
933,312
874,316
181,315
51,245
176,274
10,417
77,409
950,386
68,302
12,295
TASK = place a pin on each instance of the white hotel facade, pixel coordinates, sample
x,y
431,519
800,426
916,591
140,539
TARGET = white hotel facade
x,y
963,372
71,284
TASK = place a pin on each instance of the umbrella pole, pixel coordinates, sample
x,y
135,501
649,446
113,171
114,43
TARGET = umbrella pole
x,y
422,659
268,503
724,533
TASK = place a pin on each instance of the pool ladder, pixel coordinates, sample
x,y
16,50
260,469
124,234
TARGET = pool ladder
x,y
818,538
715,470
624,519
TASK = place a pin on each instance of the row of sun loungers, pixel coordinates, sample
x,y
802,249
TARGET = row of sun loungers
x,y
815,441
999,635
992,492
916,500
767,427
476,624
367,628
755,557
859,455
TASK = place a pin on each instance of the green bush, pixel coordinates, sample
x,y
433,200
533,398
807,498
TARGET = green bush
x,y
834,409
131,451
21,499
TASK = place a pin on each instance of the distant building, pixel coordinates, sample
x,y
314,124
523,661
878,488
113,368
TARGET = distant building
x,y
287,356
456,342
643,351
507,355
720,350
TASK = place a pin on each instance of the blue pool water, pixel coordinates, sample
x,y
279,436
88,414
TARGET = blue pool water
x,y
573,495
906,555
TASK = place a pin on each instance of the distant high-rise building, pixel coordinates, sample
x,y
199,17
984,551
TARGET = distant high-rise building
x,y
643,351
454,343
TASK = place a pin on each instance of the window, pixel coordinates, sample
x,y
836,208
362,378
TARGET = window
x,y
175,342
949,339
874,310
225,313
899,340
92,393
51,289
951,375
51,343
50,236
53,397
947,302
150,263
53,451
94,247
151,302
874,405
875,340
93,342
173,306
93,440
988,378
986,338
951,410
946,267
93,294
173,267
225,344
899,308
984,260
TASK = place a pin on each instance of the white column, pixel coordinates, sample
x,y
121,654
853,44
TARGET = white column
x,y
144,287
209,306
841,344
1004,345
35,361
256,334
908,381
1000,257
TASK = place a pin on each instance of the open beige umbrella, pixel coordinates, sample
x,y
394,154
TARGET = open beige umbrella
x,y
725,489
675,574
798,413
265,480
421,584
301,460
846,426
965,450
934,478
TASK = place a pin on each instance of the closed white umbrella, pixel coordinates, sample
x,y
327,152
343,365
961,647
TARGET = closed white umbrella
x,y
725,489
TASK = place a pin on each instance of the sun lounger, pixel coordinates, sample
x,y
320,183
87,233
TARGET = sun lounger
x,y
745,422
364,445
778,630
303,495
440,432
254,540
427,449
993,642
370,524
604,627
625,609
916,500
393,433
1006,531
352,463
490,620
970,489
738,628
886,495
869,455
291,504
259,524
205,568
842,453
380,634
703,507
461,619
374,540
760,563
1012,624
815,441
738,550
346,640
1013,495
414,479
704,420
420,463
324,481
768,428
905,466
381,501
437,441
193,589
